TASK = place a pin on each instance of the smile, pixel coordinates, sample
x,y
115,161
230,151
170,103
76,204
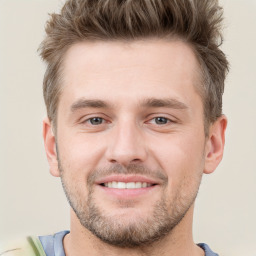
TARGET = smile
x,y
128,185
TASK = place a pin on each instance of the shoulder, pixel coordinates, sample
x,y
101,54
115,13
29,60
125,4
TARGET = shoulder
x,y
207,250
28,246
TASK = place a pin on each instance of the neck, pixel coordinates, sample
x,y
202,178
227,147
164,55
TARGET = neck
x,y
179,242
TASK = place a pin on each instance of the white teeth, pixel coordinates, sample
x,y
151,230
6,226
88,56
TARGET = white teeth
x,y
121,185
138,185
128,185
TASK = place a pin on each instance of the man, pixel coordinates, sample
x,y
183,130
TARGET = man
x,y
133,91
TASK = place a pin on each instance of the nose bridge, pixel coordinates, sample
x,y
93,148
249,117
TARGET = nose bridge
x,y
126,143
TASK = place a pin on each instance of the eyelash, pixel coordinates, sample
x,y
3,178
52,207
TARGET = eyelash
x,y
162,117
104,121
96,117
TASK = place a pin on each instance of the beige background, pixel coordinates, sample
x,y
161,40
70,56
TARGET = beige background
x,y
32,202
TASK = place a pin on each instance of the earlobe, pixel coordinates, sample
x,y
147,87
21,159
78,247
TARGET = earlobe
x,y
215,144
50,147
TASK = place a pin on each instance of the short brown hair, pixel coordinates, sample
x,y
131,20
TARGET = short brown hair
x,y
197,22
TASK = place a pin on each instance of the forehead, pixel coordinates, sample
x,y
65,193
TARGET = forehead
x,y
137,69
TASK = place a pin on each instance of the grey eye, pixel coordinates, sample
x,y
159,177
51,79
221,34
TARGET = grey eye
x,y
161,120
96,120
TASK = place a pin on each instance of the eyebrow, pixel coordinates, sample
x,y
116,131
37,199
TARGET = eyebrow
x,y
147,103
167,103
84,103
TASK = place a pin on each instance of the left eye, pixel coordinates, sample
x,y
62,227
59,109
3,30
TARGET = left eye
x,y
96,120
161,120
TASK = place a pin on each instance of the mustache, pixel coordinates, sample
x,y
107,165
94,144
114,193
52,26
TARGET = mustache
x,y
131,169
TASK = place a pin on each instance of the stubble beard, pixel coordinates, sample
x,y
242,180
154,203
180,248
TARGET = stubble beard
x,y
137,232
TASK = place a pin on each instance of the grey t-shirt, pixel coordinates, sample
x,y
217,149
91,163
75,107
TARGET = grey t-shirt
x,y
53,245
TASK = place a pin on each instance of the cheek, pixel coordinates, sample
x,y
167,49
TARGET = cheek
x,y
79,154
180,157
179,150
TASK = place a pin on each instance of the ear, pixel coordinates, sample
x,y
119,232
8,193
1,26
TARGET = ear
x,y
50,147
215,144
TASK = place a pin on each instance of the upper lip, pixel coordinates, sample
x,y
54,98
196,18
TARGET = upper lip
x,y
127,178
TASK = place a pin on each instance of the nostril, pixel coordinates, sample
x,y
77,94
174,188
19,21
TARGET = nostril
x,y
136,161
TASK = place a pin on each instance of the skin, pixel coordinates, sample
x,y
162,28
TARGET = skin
x,y
125,76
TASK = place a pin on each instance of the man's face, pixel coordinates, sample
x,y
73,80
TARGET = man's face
x,y
130,137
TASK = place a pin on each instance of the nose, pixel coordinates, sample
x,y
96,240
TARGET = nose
x,y
126,144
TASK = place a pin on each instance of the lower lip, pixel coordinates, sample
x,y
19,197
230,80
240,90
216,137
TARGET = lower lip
x,y
127,193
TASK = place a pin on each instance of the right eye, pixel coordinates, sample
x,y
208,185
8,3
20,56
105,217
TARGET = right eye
x,y
161,120
95,120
